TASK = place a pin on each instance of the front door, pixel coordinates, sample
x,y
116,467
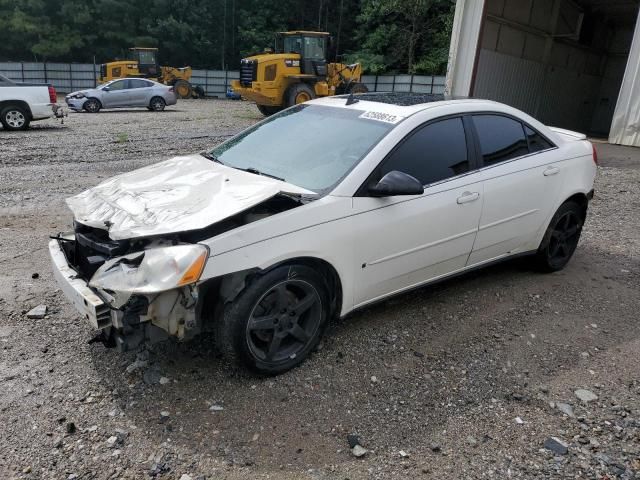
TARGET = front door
x,y
405,241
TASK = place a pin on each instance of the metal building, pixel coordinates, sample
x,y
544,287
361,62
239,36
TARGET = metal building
x,y
570,63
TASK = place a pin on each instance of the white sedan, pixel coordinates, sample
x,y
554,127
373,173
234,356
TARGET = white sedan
x,y
317,211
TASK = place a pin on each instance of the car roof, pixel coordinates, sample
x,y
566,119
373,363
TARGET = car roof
x,y
397,103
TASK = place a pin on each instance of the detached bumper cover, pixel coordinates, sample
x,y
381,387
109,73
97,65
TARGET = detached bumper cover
x,y
90,305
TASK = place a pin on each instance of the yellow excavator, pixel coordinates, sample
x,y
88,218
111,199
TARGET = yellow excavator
x,y
296,72
143,62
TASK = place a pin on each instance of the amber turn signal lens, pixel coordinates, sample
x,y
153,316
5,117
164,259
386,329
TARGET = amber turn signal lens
x,y
194,271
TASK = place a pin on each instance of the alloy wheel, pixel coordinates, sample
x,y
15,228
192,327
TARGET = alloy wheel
x,y
284,321
564,238
15,118
157,104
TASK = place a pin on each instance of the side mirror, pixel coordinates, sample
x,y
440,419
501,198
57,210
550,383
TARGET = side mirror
x,y
106,89
396,183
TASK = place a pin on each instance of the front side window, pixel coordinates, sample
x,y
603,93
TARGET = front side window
x,y
314,48
117,85
433,153
293,45
311,146
147,57
501,138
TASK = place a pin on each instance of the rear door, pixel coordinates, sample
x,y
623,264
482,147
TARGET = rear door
x,y
521,186
139,92
403,241
117,95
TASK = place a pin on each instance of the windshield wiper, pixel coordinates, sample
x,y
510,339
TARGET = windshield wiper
x,y
255,171
210,156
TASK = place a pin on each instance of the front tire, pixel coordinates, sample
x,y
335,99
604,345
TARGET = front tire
x,y
561,238
92,105
15,117
276,321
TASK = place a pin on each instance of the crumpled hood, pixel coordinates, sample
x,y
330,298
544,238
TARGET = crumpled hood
x,y
180,194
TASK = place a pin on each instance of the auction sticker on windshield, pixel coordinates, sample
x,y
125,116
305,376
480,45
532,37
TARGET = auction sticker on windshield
x,y
381,117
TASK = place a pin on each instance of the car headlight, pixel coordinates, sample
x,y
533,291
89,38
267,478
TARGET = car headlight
x,y
78,95
153,270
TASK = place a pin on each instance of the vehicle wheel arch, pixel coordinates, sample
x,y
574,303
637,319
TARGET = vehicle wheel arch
x,y
220,291
328,272
16,103
581,199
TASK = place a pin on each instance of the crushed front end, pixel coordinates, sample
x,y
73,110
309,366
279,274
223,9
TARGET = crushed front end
x,y
132,291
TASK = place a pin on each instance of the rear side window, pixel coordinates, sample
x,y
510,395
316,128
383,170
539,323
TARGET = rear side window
x,y
137,83
501,138
537,142
435,152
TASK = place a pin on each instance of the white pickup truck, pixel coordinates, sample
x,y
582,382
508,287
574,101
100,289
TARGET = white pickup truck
x,y
22,103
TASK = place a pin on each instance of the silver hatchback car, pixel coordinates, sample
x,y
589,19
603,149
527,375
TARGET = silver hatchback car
x,y
123,93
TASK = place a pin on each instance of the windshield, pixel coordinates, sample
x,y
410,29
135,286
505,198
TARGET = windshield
x,y
310,146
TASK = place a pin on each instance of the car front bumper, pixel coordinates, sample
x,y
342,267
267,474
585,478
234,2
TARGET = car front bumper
x,y
86,300
75,103
125,321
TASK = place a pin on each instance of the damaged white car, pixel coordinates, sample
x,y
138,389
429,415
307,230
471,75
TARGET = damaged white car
x,y
319,210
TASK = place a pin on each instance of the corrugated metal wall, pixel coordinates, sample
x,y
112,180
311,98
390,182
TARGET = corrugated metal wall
x,y
514,81
523,62
69,77
554,95
404,83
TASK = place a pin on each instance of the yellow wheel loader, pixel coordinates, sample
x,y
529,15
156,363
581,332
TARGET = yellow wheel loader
x,y
143,62
298,71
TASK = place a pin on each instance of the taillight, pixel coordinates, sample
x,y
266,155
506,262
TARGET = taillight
x,y
53,98
595,154
171,90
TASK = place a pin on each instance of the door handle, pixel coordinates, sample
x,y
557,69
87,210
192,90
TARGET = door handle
x,y
468,197
550,171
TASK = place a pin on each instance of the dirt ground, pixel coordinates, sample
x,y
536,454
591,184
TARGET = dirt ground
x,y
465,379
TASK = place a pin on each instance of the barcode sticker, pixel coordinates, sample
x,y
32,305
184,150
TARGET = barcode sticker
x,y
381,117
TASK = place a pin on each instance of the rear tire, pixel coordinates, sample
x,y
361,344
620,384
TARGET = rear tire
x,y
561,238
299,93
157,104
276,321
183,89
15,117
267,110
92,105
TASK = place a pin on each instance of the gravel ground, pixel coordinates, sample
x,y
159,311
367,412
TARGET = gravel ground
x,y
466,379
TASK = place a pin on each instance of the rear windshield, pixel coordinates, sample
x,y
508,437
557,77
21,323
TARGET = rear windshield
x,y
311,146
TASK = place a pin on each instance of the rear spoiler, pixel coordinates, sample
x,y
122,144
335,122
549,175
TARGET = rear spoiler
x,y
568,135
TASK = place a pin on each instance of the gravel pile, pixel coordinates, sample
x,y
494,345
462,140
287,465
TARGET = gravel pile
x,y
503,373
